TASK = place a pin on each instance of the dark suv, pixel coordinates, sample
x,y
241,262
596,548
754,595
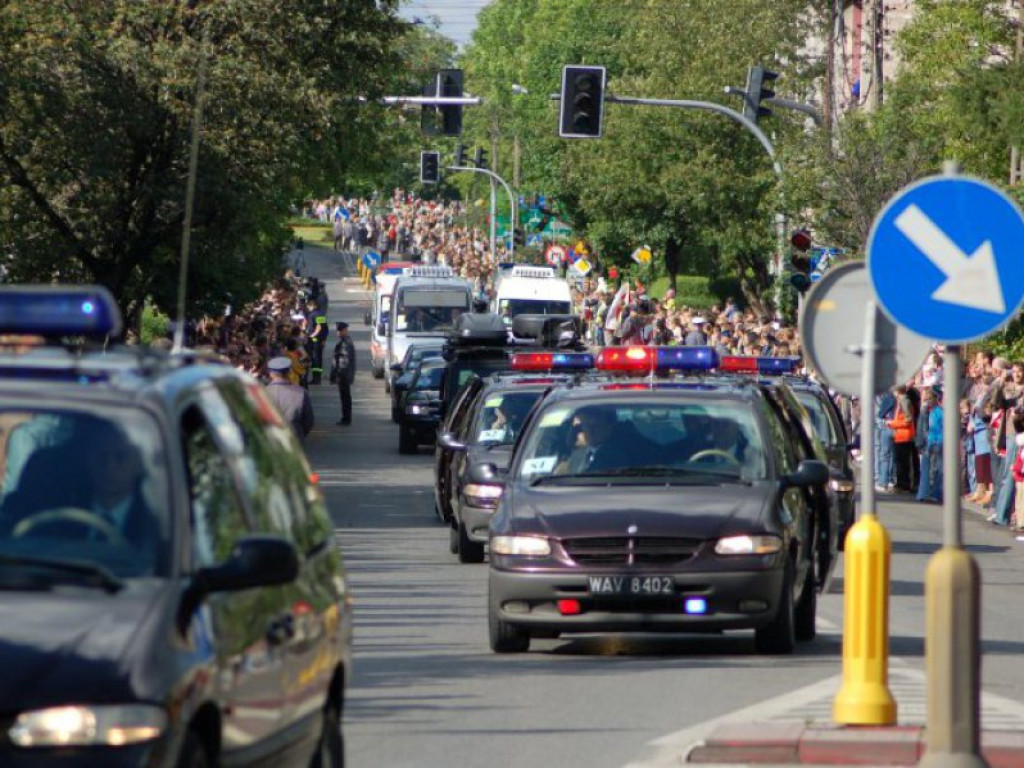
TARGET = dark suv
x,y
171,591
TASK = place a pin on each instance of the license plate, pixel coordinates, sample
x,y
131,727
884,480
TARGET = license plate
x,y
631,585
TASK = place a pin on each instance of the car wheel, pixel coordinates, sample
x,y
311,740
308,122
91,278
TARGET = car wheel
x,y
330,751
806,611
193,752
453,541
505,638
378,372
469,551
779,637
406,442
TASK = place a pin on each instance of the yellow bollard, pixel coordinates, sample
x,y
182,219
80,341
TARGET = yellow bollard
x,y
864,698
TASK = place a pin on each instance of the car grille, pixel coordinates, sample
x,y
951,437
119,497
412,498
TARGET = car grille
x,y
631,550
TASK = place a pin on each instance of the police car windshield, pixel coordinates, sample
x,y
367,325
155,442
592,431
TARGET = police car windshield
x,y
84,488
698,441
819,417
502,416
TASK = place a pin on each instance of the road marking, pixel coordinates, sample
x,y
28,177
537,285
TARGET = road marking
x,y
813,705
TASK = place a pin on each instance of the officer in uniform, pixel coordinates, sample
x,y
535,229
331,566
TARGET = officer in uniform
x,y
317,340
345,371
292,400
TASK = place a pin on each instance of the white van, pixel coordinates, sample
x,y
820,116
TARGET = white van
x,y
424,305
527,290
380,317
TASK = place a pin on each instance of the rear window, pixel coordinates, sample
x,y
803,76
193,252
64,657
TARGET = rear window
x,y
85,487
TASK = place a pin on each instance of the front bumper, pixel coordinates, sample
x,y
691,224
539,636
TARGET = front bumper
x,y
422,429
735,600
477,521
153,753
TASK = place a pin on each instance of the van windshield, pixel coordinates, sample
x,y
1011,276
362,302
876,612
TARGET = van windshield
x,y
429,310
513,307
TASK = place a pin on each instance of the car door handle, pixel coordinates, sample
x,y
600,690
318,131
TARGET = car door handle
x,y
281,629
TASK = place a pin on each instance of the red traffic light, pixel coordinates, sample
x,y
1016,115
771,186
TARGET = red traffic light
x,y
801,239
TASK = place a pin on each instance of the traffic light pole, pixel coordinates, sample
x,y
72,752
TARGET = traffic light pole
x,y
494,212
746,122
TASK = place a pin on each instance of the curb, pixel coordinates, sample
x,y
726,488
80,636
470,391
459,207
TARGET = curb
x,y
793,743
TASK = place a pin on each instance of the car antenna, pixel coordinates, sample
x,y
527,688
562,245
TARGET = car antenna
x,y
190,191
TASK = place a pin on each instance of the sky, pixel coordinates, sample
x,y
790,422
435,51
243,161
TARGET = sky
x,y
458,17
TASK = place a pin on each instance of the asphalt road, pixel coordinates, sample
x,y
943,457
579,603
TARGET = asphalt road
x,y
427,691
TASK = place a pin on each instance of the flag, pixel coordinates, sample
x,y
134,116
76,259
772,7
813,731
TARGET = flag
x,y
619,303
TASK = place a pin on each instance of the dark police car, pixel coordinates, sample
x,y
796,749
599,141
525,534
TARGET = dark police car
x,y
404,372
170,590
420,407
658,505
482,428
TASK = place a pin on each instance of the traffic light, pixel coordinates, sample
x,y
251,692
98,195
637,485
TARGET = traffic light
x,y
582,107
757,90
460,155
428,114
430,167
450,84
480,158
800,262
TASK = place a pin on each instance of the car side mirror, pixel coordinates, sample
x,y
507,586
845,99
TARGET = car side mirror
x,y
809,472
447,441
396,368
487,473
255,561
382,329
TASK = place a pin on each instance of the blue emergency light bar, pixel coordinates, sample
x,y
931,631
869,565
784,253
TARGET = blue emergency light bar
x,y
552,361
765,366
651,359
59,310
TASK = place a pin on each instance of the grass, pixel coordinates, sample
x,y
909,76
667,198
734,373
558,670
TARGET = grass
x,y
314,233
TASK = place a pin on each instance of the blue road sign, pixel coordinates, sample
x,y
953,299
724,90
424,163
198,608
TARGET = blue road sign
x,y
946,257
371,259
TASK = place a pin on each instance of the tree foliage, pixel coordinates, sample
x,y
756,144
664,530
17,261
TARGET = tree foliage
x,y
96,103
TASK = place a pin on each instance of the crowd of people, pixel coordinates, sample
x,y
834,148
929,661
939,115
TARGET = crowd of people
x,y
910,440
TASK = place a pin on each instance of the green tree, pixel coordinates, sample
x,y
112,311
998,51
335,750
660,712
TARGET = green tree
x,y
96,100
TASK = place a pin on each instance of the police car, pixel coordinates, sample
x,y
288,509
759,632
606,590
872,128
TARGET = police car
x,y
482,427
684,504
169,585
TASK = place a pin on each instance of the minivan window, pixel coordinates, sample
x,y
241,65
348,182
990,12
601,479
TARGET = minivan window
x,y
87,487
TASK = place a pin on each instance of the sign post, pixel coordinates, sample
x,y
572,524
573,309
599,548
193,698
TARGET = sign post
x,y
959,238
859,352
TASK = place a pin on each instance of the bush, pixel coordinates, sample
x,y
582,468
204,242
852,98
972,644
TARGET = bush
x,y
154,325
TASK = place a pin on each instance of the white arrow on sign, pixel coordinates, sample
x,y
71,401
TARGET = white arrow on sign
x,y
971,281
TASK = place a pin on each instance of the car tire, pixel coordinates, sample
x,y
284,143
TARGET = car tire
x,y
193,752
779,636
469,551
453,541
406,442
330,750
378,372
505,637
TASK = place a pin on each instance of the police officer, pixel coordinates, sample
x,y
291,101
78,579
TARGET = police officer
x,y
291,399
317,340
345,371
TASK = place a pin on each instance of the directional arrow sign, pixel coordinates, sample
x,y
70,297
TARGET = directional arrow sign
x,y
946,258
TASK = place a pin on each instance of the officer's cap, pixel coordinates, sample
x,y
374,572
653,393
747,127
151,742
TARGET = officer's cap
x,y
280,364
340,325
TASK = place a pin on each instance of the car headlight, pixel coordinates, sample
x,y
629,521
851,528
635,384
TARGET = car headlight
x,y
480,495
526,546
841,486
416,409
748,545
88,725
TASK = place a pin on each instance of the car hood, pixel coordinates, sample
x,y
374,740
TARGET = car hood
x,y
703,512
71,644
